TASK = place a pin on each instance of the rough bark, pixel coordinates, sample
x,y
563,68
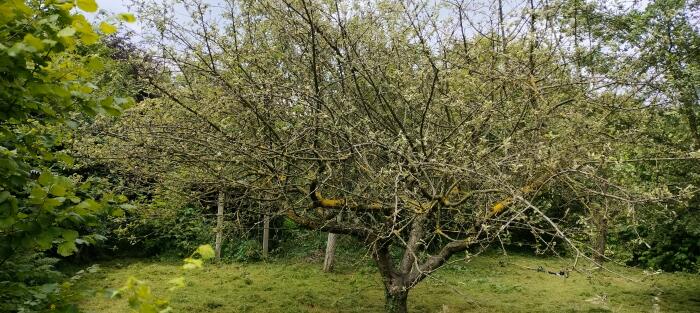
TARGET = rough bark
x,y
417,232
396,302
600,239
396,285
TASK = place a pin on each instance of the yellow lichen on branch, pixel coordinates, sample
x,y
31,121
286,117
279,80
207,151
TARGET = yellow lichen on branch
x,y
319,200
500,206
331,203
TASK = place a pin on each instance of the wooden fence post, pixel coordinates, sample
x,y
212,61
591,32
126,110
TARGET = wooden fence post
x,y
219,224
266,235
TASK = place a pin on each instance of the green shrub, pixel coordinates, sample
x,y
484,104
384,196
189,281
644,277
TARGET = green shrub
x,y
156,230
29,282
247,251
673,245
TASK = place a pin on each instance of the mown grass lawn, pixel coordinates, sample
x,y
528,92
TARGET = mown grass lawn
x,y
492,283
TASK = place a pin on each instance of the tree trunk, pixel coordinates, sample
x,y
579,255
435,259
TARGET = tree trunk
x,y
396,302
395,284
266,236
600,239
330,253
219,224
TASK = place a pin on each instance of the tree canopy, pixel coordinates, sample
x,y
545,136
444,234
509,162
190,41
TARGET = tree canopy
x,y
423,129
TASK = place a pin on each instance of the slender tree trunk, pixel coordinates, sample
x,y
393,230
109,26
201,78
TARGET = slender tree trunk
x,y
501,26
330,252
266,236
219,224
601,238
599,215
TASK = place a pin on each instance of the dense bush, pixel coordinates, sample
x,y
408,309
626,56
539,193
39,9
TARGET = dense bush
x,y
30,282
156,230
247,250
672,245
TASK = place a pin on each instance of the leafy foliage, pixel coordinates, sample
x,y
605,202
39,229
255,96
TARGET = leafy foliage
x,y
28,283
47,83
248,250
158,229
657,43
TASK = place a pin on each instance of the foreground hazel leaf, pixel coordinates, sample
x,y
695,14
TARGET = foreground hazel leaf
x,y
206,252
87,5
108,28
127,17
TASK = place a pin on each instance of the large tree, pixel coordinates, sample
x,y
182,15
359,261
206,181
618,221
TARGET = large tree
x,y
430,128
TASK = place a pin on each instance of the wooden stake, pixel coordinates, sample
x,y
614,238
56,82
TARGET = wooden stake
x,y
219,224
266,236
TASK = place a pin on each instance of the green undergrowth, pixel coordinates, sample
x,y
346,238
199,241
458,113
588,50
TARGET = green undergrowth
x,y
491,283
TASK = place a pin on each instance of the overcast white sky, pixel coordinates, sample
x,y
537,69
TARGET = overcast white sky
x,y
114,6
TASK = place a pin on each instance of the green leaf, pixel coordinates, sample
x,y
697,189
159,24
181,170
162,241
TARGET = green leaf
x,y
85,186
67,248
16,49
89,38
118,213
87,5
45,239
127,17
58,190
33,42
4,195
81,24
66,32
46,178
65,158
37,195
7,222
64,6
111,111
52,203
69,235
92,205
124,103
95,63
206,252
107,28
